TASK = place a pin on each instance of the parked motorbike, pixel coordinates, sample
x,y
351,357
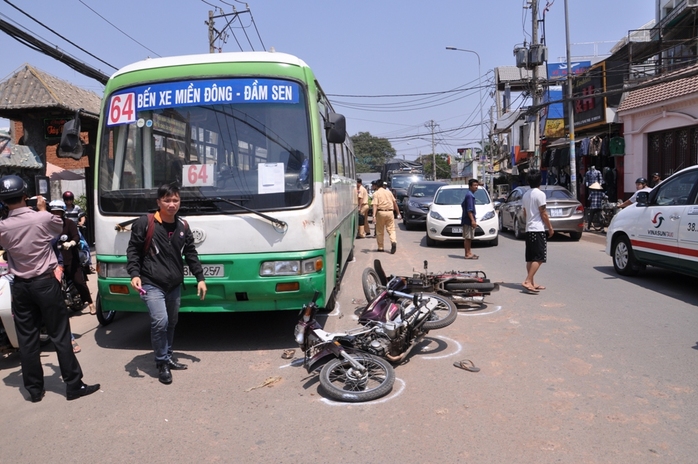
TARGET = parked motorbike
x,y
462,287
356,364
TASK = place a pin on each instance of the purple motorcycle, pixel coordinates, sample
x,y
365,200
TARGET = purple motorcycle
x,y
356,365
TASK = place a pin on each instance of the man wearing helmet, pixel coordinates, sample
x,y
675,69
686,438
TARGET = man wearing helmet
x,y
73,211
641,185
36,294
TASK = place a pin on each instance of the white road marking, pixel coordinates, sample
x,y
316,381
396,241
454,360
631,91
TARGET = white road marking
x,y
441,356
473,313
378,401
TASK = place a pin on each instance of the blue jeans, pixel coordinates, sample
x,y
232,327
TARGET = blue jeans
x,y
164,312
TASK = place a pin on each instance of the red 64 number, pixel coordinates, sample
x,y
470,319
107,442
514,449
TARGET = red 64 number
x,y
121,109
198,175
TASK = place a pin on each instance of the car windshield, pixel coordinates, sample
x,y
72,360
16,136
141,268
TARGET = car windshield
x,y
404,181
455,196
421,190
558,194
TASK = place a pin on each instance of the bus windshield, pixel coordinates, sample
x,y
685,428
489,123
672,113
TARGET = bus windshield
x,y
243,140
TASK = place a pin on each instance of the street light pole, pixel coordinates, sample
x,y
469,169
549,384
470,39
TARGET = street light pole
x,y
482,121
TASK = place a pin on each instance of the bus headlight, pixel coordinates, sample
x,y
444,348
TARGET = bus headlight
x,y
283,268
105,270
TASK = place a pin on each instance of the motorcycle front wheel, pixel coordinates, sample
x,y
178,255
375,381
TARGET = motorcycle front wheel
x,y
371,284
343,382
443,315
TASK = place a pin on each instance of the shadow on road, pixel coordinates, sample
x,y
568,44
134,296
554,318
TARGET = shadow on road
x,y
204,332
659,280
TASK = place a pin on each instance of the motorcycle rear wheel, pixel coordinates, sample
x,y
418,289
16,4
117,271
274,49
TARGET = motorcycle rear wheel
x,y
443,315
342,382
371,284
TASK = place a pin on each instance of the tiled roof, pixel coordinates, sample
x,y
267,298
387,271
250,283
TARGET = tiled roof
x,y
17,156
662,91
30,88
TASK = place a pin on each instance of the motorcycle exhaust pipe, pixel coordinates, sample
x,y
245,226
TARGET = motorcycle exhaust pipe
x,y
400,358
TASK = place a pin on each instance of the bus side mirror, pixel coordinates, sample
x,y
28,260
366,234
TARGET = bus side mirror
x,y
71,145
336,128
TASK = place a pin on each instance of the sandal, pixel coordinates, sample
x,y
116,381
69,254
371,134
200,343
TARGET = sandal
x,y
288,354
93,310
76,347
472,257
467,365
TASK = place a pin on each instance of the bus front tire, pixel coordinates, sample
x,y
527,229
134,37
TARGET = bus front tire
x,y
104,317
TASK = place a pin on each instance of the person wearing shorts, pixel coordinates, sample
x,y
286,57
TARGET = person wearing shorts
x,y
468,220
537,220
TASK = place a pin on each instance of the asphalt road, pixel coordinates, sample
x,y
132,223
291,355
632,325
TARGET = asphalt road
x,y
595,369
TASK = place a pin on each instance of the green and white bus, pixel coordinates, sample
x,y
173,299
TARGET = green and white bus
x,y
267,176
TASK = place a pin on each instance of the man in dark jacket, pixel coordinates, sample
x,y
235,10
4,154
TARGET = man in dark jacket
x,y
157,272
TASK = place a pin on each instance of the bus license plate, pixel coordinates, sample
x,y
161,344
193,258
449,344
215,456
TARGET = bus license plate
x,y
210,270
556,212
457,230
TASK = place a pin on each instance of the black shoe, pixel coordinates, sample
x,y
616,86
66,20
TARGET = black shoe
x,y
165,376
175,366
393,247
37,398
84,390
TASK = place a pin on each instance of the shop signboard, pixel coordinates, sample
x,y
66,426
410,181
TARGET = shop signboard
x,y
558,71
590,110
54,126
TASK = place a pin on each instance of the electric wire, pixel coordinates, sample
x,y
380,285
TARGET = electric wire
x,y
115,27
59,35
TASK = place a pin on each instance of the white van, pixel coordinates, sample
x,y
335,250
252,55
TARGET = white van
x,y
661,229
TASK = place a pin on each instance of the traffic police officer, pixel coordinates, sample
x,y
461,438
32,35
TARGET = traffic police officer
x,y
384,205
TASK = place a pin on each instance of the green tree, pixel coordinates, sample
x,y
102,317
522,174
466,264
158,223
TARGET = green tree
x,y
443,169
371,152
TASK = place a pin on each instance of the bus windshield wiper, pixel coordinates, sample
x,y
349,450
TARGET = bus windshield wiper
x,y
280,226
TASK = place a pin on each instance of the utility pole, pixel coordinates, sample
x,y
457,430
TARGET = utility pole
x,y
492,152
570,110
536,97
211,48
431,125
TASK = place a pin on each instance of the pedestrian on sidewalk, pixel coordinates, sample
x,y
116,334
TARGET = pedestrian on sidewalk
x,y
385,210
536,218
154,254
596,195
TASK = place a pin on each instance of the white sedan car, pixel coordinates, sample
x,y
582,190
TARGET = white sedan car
x,y
444,218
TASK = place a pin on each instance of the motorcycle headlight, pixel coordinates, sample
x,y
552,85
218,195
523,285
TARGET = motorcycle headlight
x,y
489,215
436,216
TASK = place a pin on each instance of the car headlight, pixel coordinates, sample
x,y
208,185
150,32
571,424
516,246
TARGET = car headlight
x,y
489,215
105,270
413,204
436,216
291,267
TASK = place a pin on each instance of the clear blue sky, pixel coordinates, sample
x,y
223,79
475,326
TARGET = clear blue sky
x,y
360,48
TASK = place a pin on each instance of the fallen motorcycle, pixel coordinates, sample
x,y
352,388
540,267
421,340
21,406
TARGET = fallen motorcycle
x,y
462,287
356,365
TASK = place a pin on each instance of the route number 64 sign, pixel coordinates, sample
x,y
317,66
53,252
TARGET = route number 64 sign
x,y
199,175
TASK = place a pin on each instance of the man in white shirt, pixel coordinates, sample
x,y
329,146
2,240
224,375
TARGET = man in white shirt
x,y
641,185
537,220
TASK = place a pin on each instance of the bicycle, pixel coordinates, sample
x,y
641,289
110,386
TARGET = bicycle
x,y
602,218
